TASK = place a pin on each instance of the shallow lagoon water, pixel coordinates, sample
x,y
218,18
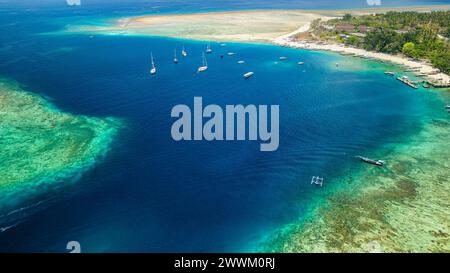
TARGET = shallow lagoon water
x,y
153,194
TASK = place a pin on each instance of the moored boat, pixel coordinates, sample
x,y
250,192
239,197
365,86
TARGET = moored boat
x,y
407,81
208,49
153,69
248,75
175,59
371,161
204,66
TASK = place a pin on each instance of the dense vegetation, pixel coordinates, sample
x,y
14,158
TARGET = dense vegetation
x,y
417,35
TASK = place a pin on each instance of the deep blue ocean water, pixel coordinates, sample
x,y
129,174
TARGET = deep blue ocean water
x,y
154,194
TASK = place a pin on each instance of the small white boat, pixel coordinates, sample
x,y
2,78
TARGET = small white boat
x,y
183,52
241,62
153,69
389,73
248,75
208,49
301,63
231,53
175,59
282,58
223,44
204,66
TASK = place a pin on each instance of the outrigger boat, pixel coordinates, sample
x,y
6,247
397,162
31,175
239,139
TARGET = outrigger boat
x,y
389,73
407,81
371,161
316,180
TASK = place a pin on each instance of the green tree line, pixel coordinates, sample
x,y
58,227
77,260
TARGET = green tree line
x,y
417,35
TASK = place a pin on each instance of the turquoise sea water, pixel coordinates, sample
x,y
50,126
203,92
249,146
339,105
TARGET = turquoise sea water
x,y
154,194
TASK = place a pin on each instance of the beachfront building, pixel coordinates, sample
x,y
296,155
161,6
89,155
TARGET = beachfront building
x,y
405,30
326,28
363,28
344,28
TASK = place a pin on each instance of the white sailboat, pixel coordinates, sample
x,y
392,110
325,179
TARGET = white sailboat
x,y
153,69
208,48
175,59
183,52
204,66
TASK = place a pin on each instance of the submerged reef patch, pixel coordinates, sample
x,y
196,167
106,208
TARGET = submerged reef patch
x,y
42,148
403,207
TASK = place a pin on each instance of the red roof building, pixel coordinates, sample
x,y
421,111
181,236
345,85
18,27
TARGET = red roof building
x,y
345,27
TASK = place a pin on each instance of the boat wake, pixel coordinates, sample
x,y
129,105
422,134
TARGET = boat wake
x,y
6,228
15,216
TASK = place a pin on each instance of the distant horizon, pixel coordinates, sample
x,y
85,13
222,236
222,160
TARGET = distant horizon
x,y
240,4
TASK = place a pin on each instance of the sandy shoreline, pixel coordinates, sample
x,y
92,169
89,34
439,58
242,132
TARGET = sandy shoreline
x,y
261,26
420,68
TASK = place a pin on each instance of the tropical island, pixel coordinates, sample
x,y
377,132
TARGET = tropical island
x,y
417,35
402,207
413,37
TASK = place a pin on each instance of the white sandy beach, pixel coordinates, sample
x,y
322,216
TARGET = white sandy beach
x,y
419,68
262,26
